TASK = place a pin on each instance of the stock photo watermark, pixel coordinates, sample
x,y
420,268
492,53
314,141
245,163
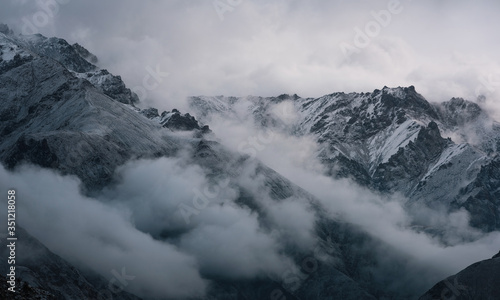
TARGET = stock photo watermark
x,y
11,240
116,284
251,147
48,10
224,6
364,36
257,143
201,200
452,290
150,82
254,144
292,279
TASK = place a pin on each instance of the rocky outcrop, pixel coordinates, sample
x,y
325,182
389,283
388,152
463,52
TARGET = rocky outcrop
x,y
410,163
483,197
91,58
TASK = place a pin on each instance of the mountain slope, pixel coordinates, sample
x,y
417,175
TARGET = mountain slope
x,y
478,281
48,275
57,113
55,119
61,112
391,140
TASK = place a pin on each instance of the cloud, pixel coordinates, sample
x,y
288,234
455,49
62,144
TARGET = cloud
x,y
153,191
427,259
98,236
232,246
136,225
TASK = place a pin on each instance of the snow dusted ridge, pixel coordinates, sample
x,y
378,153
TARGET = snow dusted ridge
x,y
391,140
51,94
58,113
16,49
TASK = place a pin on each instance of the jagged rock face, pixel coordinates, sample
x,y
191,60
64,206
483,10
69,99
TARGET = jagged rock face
x,y
458,112
17,50
91,58
349,117
410,162
478,281
12,56
150,113
391,140
111,86
76,123
483,197
55,119
176,121
5,29
59,50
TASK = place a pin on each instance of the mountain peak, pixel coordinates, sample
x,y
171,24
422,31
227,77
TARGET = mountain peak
x,y
16,50
458,111
398,92
406,99
288,97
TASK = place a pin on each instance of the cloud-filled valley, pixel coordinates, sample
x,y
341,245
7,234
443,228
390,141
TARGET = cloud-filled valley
x,y
354,154
137,222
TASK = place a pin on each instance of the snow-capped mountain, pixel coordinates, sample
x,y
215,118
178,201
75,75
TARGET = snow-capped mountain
x,y
391,140
55,116
60,111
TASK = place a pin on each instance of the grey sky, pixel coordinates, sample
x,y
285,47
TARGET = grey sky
x,y
445,48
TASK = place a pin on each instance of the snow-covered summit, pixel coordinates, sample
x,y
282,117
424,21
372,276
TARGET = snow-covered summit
x,y
16,49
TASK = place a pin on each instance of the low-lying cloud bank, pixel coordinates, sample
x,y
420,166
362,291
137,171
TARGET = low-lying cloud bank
x,y
97,235
137,225
383,217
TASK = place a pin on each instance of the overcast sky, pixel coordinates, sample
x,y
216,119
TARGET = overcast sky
x,y
255,47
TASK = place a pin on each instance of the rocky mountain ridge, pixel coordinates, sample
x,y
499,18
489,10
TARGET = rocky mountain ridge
x,y
391,140
55,116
